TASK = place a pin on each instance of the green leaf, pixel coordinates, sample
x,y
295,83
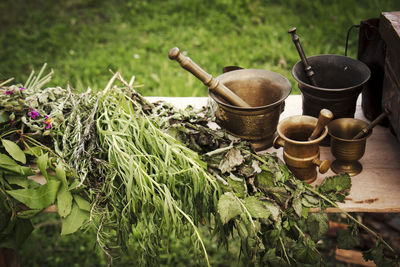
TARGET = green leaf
x,y
337,183
21,181
34,151
228,207
306,254
271,259
231,160
74,220
42,164
7,161
318,224
27,214
279,194
60,173
9,164
264,180
238,186
376,254
348,238
309,201
256,208
39,198
83,204
14,150
64,201
297,206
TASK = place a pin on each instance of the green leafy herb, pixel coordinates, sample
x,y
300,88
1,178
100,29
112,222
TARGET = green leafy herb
x,y
39,198
14,150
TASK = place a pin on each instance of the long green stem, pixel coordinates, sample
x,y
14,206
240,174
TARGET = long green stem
x,y
284,250
350,217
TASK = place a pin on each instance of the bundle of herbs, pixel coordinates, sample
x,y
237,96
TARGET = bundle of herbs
x,y
139,173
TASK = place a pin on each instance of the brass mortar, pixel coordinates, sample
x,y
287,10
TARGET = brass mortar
x,y
344,148
265,92
299,154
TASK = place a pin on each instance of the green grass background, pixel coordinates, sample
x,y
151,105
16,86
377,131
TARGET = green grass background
x,y
82,39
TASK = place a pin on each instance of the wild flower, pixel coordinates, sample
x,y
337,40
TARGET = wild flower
x,y
34,114
9,92
48,122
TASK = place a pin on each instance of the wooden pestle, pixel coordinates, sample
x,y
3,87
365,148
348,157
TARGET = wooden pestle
x,y
212,83
325,116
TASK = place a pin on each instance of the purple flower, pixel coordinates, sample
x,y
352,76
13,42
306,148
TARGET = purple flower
x,y
12,122
22,88
34,114
47,121
8,92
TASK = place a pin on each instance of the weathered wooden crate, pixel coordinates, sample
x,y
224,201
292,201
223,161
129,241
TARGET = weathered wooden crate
x,y
389,28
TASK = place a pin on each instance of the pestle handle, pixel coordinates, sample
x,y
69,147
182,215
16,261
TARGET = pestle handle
x,y
325,116
365,130
206,78
307,68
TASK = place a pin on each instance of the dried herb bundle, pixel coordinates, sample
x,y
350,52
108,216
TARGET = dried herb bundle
x,y
138,172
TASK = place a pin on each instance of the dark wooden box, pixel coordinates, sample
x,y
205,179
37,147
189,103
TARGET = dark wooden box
x,y
389,28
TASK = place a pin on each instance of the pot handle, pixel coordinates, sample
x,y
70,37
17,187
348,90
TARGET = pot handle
x,y
283,107
323,165
278,142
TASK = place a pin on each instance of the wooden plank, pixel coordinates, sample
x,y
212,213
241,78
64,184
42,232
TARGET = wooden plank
x,y
375,189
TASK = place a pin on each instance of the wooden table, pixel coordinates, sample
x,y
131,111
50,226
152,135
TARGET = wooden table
x,y
375,189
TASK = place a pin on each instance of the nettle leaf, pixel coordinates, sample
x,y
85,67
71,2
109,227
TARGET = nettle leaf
x,y
256,208
318,224
39,198
74,220
337,183
271,259
306,254
238,185
42,164
309,201
264,180
228,207
297,206
348,238
83,204
279,194
231,160
376,254
64,201
14,150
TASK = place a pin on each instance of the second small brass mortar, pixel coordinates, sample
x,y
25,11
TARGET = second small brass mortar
x,y
300,155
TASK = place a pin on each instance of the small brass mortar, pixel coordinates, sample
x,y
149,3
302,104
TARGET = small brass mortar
x,y
300,155
265,91
344,148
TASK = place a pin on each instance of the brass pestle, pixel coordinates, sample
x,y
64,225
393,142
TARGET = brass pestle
x,y
307,67
365,130
212,83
